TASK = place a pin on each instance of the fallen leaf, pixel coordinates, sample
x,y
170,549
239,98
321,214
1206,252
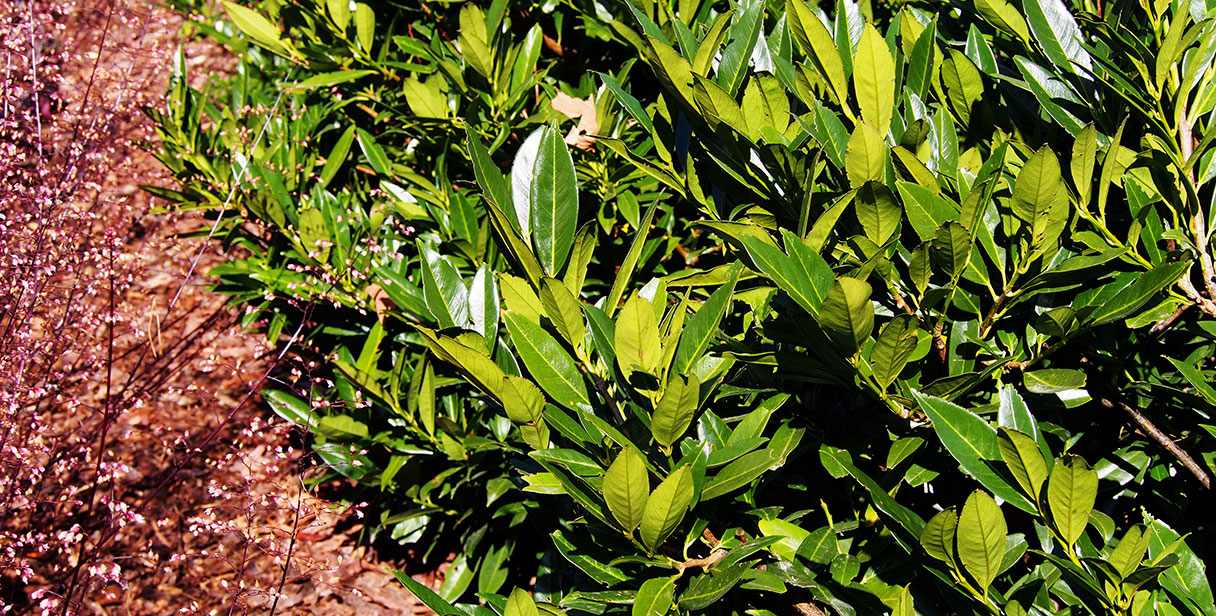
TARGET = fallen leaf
x,y
580,136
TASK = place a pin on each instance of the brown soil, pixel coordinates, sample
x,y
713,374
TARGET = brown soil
x,y
216,482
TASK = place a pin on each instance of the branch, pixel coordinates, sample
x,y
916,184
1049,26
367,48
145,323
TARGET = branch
x,y
1162,439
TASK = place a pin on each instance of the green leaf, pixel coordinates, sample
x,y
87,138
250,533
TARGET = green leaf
x,y
963,83
980,539
638,348
520,603
426,595
1053,380
1189,577
443,289
603,573
625,273
337,156
458,578
477,367
744,32
847,315
792,537
339,10
923,60
1084,160
700,329
818,45
938,536
549,364
258,28
675,409
374,153
1058,35
1040,198
1136,294
803,274
894,346
1026,463
717,106
666,507
1004,16
738,474
655,597
874,79
820,546
950,249
707,589
866,158
365,26
1071,491
626,488
878,211
483,303
1130,551
475,41
554,202
926,210
971,441
563,311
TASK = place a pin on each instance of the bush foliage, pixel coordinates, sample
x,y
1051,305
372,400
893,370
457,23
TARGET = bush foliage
x,y
751,307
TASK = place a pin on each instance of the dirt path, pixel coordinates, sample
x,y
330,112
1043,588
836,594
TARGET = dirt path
x,y
192,492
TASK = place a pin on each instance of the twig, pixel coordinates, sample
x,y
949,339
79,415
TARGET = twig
x,y
1163,325
718,554
1162,439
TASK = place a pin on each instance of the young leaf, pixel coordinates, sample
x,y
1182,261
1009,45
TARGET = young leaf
x,y
637,344
626,488
520,603
1004,17
894,346
867,155
563,311
655,597
553,206
938,536
1058,35
1026,463
878,211
1084,160
1038,194
258,28
818,45
980,539
1071,491
675,409
874,79
666,507
847,315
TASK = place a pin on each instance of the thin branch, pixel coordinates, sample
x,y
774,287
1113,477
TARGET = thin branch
x,y
1162,439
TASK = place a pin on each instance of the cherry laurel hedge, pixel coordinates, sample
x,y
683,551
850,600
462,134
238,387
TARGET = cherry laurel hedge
x,y
756,307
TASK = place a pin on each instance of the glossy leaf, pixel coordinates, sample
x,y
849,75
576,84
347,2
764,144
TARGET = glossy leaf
x,y
847,315
980,539
626,488
553,206
874,79
553,368
1071,491
666,507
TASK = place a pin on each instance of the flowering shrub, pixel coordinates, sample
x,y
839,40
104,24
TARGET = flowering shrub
x,y
893,308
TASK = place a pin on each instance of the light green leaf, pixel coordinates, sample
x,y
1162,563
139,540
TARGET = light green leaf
x,y
1053,380
1084,160
1136,294
365,26
738,474
980,539
475,41
1058,35
666,507
866,158
1004,17
1026,463
894,346
655,597
926,210
874,79
563,311
950,249
1039,196
792,536
638,348
963,83
1071,491
818,45
258,28
847,315
878,211
483,304
675,410
803,274
938,536
548,362
427,596
626,488
374,153
520,603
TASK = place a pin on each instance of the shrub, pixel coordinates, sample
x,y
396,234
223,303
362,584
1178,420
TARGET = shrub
x,y
959,253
